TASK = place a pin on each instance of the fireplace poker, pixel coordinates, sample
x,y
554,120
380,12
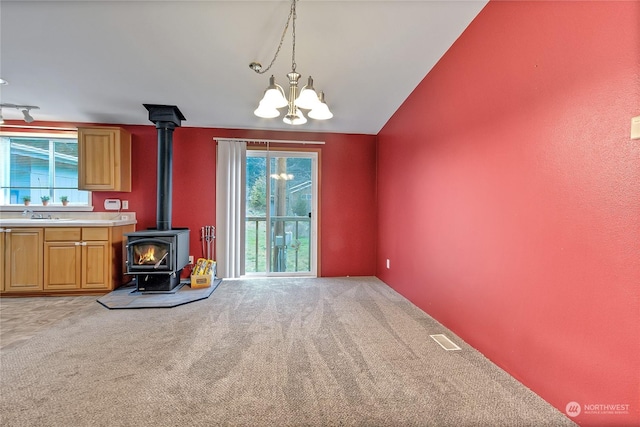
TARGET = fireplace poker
x,y
206,240
202,240
213,245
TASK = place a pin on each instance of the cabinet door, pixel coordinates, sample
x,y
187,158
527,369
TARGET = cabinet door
x,y
2,259
23,262
62,265
104,159
96,262
96,152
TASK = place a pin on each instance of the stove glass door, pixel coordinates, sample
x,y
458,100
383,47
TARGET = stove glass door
x,y
150,255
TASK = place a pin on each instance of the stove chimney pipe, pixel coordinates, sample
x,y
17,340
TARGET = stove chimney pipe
x,y
166,119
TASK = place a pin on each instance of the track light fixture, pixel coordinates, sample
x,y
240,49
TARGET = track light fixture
x,y
24,108
27,117
274,96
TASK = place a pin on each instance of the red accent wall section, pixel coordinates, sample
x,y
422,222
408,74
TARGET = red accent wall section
x,y
347,189
348,215
509,199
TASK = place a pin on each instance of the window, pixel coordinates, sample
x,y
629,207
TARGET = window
x,y
37,166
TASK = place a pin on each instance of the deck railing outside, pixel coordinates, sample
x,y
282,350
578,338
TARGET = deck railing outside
x,y
289,251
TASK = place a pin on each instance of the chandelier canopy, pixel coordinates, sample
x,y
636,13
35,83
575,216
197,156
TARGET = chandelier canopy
x,y
275,97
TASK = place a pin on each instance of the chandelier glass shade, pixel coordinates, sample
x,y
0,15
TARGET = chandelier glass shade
x,y
321,111
275,97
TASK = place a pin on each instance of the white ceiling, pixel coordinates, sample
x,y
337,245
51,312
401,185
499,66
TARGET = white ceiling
x,y
99,61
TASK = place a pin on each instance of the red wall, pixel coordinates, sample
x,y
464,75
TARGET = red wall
x,y
347,190
509,199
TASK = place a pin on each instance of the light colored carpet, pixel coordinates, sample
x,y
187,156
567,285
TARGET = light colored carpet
x,y
282,352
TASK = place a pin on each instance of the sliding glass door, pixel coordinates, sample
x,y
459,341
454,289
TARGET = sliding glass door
x,y
280,219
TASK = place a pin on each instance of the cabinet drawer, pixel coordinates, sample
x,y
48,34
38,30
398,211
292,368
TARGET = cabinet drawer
x,y
62,234
95,233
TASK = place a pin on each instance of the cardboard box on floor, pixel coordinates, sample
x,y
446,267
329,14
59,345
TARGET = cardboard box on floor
x,y
203,273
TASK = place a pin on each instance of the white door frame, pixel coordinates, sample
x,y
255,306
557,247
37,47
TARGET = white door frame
x,y
313,237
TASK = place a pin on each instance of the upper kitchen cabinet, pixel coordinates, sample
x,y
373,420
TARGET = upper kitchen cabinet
x,y
104,159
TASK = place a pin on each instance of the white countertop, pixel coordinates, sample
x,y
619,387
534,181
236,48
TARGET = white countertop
x,y
14,222
69,220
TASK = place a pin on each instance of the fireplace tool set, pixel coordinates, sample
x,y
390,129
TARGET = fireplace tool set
x,y
208,236
204,271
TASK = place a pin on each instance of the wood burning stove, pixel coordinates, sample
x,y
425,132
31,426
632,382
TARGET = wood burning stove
x,y
156,257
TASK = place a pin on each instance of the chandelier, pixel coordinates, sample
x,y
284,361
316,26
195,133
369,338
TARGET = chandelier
x,y
274,96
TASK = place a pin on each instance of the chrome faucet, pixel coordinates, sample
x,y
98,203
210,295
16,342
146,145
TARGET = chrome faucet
x,y
34,215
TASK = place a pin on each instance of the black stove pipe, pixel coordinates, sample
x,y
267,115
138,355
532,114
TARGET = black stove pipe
x,y
165,162
166,119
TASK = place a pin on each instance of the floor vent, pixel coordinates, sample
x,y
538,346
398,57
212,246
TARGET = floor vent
x,y
445,342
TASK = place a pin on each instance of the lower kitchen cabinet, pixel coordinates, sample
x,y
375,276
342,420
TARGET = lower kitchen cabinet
x,y
61,265
2,259
63,260
95,262
77,258
22,269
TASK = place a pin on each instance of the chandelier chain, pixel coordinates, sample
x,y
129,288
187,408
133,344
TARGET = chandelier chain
x,y
293,25
292,13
